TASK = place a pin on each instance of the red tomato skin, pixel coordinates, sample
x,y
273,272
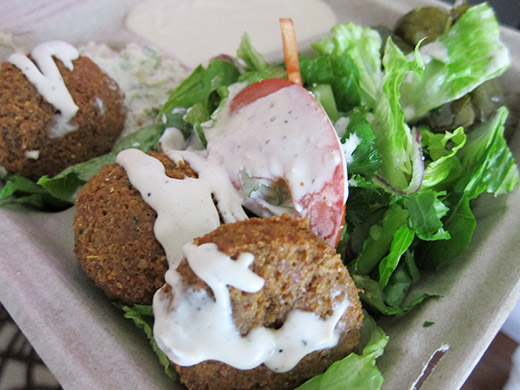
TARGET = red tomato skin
x,y
256,91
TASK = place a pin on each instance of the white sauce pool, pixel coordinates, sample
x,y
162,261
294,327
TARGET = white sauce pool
x,y
195,30
47,79
192,326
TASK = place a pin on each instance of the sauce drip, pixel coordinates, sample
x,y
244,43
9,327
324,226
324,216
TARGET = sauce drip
x,y
48,81
185,208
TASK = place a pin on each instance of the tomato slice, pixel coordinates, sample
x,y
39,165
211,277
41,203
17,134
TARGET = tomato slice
x,y
258,90
277,133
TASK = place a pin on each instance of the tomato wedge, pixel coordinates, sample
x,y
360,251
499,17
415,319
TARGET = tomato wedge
x,y
282,154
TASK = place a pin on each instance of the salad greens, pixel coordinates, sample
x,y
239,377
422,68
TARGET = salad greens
x,y
412,186
357,371
142,315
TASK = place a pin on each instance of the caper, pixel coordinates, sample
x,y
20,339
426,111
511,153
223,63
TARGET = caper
x,y
424,22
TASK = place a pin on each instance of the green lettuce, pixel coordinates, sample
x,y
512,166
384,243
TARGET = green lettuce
x,y
143,318
20,190
351,55
357,371
366,159
256,68
199,87
488,166
444,166
64,185
464,57
337,71
394,139
57,193
383,299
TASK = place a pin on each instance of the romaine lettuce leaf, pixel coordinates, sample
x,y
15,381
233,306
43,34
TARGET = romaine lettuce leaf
x,y
444,167
401,168
488,166
379,240
457,62
383,299
57,193
402,239
426,212
357,46
356,371
337,70
460,223
253,60
20,190
487,161
366,159
255,67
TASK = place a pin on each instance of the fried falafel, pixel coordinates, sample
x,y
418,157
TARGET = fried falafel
x,y
114,239
301,272
26,148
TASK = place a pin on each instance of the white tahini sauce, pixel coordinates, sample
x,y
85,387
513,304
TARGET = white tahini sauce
x,y
192,326
185,208
48,81
194,30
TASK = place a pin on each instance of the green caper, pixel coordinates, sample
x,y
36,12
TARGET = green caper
x,y
457,12
487,98
424,22
385,33
451,115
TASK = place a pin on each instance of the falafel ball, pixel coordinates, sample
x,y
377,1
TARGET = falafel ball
x,y
114,239
301,272
26,117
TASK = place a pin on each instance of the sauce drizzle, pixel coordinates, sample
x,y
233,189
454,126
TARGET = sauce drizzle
x,y
48,81
192,326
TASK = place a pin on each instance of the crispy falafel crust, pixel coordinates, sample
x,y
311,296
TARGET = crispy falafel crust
x,y
25,117
301,272
113,230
